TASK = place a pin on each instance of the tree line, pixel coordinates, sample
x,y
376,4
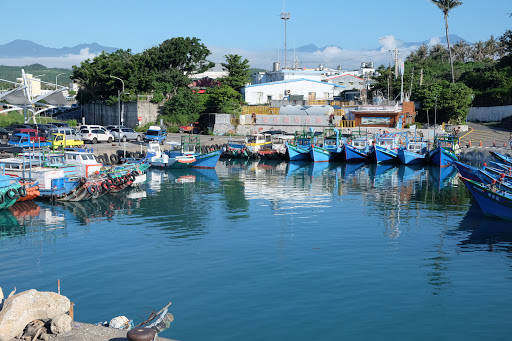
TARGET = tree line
x,y
165,72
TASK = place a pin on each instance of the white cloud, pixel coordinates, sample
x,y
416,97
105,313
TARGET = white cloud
x,y
331,56
66,61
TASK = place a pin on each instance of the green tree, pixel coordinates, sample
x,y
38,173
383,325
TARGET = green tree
x,y
223,99
185,106
238,71
453,101
446,6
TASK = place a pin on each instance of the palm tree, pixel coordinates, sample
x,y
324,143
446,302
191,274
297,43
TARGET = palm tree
x,y
438,52
446,6
478,51
491,48
460,51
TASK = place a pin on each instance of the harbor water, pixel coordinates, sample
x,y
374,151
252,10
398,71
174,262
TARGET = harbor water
x,y
274,251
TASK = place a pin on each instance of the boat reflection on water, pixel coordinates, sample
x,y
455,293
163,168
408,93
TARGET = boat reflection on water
x,y
9,226
442,176
487,233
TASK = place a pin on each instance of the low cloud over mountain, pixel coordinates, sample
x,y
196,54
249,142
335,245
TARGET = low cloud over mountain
x,y
24,52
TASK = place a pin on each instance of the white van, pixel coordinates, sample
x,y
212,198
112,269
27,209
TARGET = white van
x,y
69,132
91,127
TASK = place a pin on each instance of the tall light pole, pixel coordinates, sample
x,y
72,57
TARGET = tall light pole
x,y
56,77
285,16
121,121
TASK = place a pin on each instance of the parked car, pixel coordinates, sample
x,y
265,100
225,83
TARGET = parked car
x,y
4,134
35,135
60,124
89,127
95,135
126,134
60,140
69,132
191,128
12,127
110,127
155,133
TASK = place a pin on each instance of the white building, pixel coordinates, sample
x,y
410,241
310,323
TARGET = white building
x,y
218,71
306,88
349,81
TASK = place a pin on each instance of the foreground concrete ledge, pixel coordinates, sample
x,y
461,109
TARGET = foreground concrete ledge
x,y
88,332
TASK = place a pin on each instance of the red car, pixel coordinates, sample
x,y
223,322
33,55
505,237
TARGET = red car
x,y
191,128
35,135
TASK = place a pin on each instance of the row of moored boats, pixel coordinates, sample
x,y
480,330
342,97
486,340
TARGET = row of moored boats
x,y
75,174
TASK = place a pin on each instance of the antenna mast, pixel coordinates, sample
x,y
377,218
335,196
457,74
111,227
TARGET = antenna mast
x,y
285,16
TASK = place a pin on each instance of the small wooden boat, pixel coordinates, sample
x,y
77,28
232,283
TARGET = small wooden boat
x,y
491,200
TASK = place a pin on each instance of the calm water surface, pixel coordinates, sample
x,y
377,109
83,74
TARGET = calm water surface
x,y
275,251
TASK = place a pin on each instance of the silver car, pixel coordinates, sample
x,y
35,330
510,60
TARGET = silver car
x,y
127,134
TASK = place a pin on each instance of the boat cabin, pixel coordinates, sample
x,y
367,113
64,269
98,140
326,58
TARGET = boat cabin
x,y
84,160
257,142
28,170
361,143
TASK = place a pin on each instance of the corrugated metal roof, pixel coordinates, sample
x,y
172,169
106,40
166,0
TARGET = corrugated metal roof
x,y
295,80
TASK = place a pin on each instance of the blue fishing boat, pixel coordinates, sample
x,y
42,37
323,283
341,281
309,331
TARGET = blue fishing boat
x,y
357,150
386,147
191,147
444,153
300,149
332,148
491,200
414,153
484,176
501,158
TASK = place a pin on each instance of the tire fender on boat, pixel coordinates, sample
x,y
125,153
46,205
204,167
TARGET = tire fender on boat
x,y
480,156
114,159
12,194
91,189
104,186
2,198
22,191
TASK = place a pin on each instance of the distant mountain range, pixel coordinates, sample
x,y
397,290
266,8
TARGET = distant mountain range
x,y
311,48
27,48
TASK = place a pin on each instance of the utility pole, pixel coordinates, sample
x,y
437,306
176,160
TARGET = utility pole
x,y
285,16
397,53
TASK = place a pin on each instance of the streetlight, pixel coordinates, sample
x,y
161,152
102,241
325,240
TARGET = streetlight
x,y
120,108
57,84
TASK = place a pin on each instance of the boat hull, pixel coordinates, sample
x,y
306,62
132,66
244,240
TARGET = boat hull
x,y
208,160
296,153
410,158
353,154
318,154
385,155
493,203
442,157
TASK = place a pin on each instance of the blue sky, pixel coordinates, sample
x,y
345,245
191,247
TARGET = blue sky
x,y
247,27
